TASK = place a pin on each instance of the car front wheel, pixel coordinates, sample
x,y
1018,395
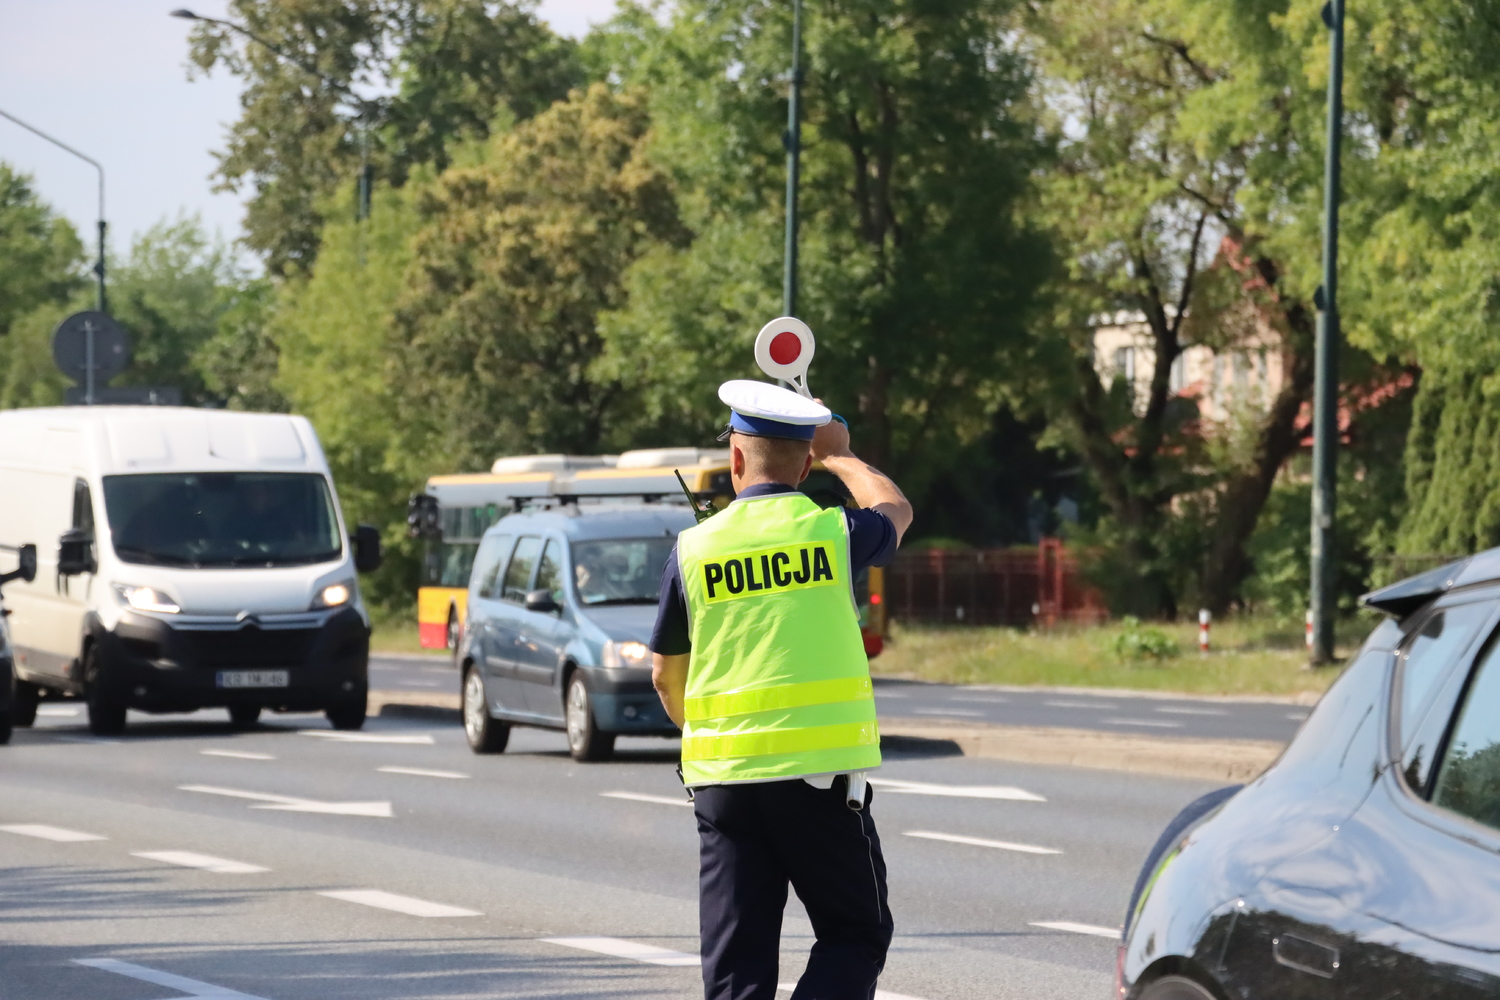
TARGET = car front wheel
x,y
1175,988
23,705
485,733
585,741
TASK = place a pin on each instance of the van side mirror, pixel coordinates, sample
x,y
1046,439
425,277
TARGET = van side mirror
x,y
75,553
541,600
366,539
26,568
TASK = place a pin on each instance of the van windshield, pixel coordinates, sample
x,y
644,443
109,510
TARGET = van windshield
x,y
621,570
222,519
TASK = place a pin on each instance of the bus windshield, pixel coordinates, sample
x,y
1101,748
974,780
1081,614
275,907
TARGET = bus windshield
x,y
210,520
620,570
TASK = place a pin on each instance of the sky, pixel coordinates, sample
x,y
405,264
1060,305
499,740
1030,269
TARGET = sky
x,y
109,78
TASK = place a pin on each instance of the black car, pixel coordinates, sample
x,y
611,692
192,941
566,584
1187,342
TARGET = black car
x,y
1365,863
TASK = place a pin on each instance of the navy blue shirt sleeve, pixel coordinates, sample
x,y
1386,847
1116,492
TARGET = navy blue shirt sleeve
x,y
872,538
670,635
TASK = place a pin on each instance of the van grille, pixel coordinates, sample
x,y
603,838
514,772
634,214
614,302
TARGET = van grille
x,y
248,647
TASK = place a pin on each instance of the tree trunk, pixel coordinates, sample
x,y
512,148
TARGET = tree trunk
x,y
875,430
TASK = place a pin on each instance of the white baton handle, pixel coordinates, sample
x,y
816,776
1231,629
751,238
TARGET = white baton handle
x,y
856,793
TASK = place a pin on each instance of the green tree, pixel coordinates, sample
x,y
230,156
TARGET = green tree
x,y
445,70
497,326
40,254
915,276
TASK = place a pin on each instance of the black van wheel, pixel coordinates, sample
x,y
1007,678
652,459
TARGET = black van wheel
x,y
347,714
244,716
106,711
585,741
485,733
7,703
23,704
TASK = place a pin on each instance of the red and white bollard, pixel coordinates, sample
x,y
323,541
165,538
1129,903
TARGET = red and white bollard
x,y
1309,629
1203,621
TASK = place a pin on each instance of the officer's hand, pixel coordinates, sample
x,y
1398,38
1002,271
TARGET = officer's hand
x,y
832,439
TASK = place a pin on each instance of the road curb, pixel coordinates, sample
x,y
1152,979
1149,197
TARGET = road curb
x,y
1172,756
1301,698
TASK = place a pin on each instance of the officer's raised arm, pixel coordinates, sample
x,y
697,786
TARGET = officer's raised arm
x,y
870,487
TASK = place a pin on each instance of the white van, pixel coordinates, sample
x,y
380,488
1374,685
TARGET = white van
x,y
186,559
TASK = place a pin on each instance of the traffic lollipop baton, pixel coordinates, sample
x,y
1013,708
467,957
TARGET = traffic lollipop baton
x,y
783,349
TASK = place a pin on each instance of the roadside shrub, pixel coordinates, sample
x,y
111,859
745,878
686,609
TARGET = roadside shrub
x,y
1142,642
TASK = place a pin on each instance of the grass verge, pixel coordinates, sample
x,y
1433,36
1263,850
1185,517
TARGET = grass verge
x,y
396,632
1249,656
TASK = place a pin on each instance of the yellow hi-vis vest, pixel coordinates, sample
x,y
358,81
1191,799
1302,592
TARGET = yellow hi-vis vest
x,y
778,685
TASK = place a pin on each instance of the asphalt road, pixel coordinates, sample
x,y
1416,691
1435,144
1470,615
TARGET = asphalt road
x,y
1209,718
291,863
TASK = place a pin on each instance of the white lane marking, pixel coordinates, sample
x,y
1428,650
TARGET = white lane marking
x,y
948,711
879,994
620,948
663,800
1173,710
289,803
1007,792
209,863
85,739
1076,928
421,772
1100,705
418,684
983,700
237,754
1001,845
1156,723
58,711
1298,716
400,904
341,736
891,694
45,832
182,984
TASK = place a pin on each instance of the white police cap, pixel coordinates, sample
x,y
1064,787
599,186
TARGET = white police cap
x,y
765,410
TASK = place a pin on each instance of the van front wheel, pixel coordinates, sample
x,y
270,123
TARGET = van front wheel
x,y
106,711
23,707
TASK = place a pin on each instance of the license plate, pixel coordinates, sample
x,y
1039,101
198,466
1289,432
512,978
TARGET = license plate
x,y
252,678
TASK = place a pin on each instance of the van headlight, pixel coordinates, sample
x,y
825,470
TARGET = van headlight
x,y
625,654
334,595
146,599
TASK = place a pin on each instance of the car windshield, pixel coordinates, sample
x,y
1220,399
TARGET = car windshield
x,y
222,519
620,570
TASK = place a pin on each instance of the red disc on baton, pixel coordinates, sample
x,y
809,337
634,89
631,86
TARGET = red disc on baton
x,y
785,347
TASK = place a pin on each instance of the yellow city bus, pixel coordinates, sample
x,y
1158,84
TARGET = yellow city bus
x,y
456,510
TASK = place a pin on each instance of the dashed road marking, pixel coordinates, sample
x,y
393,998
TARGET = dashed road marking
x,y
1100,705
1000,845
400,904
661,800
237,754
1174,710
45,832
1076,928
879,994
985,699
1007,792
58,711
965,713
421,772
1154,723
182,984
209,863
620,948
343,736
1298,716
291,803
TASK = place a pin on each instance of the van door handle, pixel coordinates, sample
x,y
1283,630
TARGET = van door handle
x,y
1305,956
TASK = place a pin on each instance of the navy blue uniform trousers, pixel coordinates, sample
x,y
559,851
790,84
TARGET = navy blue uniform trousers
x,y
754,841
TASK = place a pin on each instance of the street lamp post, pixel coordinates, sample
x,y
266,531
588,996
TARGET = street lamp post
x,y
99,264
1326,387
364,106
793,167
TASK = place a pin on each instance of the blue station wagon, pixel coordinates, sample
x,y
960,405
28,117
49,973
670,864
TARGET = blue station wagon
x,y
560,609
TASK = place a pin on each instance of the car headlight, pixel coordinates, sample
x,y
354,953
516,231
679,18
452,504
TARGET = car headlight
x,y
625,654
146,599
334,595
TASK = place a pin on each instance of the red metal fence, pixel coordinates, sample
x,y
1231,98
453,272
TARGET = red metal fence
x,y
1016,586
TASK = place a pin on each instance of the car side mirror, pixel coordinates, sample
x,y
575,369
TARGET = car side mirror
x,y
26,568
75,553
366,539
541,600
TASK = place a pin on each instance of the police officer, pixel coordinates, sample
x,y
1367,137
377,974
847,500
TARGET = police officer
x,y
758,657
